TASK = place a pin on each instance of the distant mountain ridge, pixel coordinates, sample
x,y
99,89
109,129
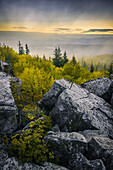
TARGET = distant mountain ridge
x,y
105,59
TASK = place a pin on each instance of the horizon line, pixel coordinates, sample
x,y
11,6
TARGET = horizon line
x,y
60,33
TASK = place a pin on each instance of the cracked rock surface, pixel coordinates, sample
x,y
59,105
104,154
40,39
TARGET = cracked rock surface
x,y
102,87
77,110
8,109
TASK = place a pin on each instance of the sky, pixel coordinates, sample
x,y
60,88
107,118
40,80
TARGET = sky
x,y
57,16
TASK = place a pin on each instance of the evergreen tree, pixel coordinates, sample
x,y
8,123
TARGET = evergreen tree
x,y
111,68
84,64
74,60
57,60
92,68
21,50
44,58
65,59
105,67
27,49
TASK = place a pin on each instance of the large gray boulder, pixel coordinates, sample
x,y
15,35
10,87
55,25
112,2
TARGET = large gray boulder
x,y
100,87
69,149
80,162
13,163
76,109
102,148
51,96
8,109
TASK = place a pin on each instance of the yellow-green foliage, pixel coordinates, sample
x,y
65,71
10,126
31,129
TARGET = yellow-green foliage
x,y
79,75
37,75
35,83
30,146
8,54
29,113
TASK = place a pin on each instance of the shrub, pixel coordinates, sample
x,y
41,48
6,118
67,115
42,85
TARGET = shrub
x,y
29,146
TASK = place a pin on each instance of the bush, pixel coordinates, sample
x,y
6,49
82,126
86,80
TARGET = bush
x,y
29,146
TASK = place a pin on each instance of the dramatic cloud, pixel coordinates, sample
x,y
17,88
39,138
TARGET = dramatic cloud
x,y
99,30
47,15
55,10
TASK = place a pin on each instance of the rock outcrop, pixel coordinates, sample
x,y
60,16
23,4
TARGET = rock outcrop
x,y
77,110
69,149
50,98
102,87
8,109
82,117
101,148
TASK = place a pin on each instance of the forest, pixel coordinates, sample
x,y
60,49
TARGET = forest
x,y
37,76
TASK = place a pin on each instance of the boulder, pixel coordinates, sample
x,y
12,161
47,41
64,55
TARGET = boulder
x,y
50,98
14,164
89,134
101,148
100,87
69,149
79,162
8,109
6,67
64,145
76,109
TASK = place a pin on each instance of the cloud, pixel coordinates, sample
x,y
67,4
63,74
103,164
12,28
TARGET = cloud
x,y
62,29
98,30
20,27
55,11
78,29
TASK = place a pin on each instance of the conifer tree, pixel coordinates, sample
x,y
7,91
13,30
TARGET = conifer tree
x,y
111,68
65,59
27,49
21,49
57,60
92,68
74,60
105,67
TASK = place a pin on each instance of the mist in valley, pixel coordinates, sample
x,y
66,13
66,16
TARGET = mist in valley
x,y
44,44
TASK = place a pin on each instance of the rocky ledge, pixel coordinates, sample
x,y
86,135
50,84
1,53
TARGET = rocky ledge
x,y
82,136
8,109
82,117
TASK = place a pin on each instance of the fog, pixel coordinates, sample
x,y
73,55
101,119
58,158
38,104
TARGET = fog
x,y
78,45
